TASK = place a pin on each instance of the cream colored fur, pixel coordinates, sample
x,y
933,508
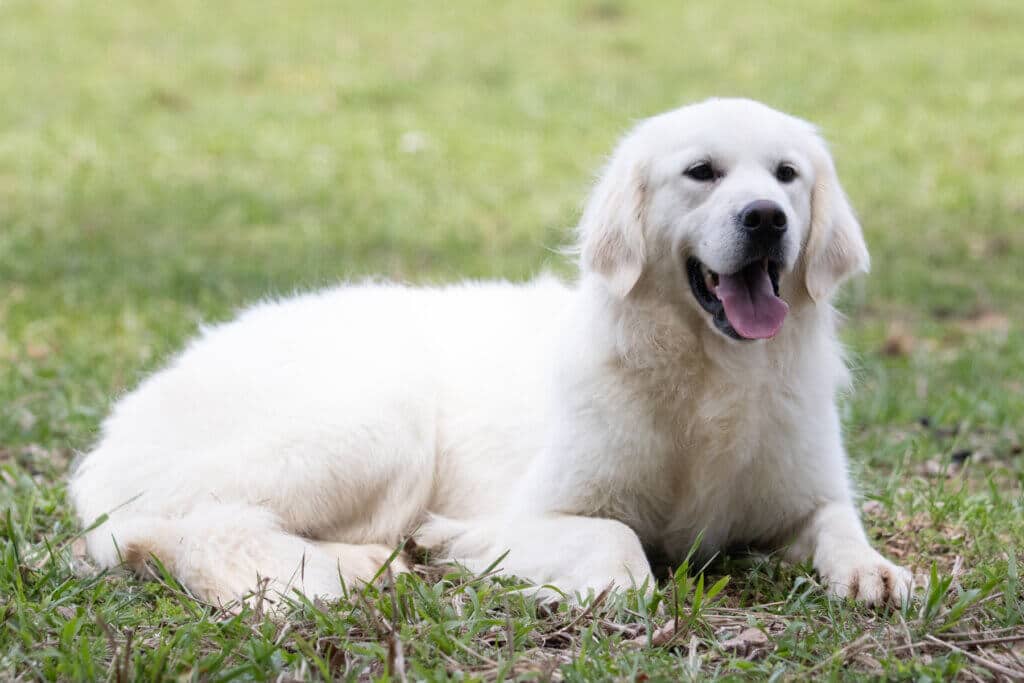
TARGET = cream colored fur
x,y
570,425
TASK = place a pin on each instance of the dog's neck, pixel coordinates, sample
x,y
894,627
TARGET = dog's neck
x,y
653,330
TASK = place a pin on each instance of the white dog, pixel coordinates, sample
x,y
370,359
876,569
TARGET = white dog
x,y
685,384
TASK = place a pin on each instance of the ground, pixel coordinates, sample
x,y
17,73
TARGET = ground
x,y
163,163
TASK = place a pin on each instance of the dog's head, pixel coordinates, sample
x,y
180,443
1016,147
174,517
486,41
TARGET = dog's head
x,y
728,205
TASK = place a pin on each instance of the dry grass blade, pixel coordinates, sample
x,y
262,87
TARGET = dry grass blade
x,y
978,642
841,655
985,633
470,651
120,656
693,659
994,667
660,638
396,656
510,639
595,603
396,653
748,641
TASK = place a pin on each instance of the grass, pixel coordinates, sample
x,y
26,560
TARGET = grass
x,y
163,164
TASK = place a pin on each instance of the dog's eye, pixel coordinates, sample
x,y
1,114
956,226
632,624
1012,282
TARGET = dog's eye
x,y
785,173
701,172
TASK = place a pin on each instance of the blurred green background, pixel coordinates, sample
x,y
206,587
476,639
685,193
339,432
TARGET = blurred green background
x,y
163,163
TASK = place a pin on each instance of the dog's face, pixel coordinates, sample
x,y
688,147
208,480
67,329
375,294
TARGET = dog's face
x,y
724,205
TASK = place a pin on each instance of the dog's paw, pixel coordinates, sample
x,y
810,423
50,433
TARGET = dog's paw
x,y
868,577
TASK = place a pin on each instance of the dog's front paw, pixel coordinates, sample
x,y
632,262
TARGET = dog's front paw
x,y
868,577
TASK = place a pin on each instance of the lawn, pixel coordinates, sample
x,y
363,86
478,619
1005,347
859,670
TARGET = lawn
x,y
162,164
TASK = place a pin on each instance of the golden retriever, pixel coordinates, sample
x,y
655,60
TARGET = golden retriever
x,y
684,385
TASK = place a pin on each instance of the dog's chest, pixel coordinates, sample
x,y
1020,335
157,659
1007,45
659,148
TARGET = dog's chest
x,y
717,463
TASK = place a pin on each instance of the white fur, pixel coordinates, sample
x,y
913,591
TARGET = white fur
x,y
570,425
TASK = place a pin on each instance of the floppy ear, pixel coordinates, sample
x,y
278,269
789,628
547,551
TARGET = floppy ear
x,y
835,247
611,231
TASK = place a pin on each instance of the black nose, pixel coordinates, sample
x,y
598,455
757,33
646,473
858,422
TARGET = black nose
x,y
763,218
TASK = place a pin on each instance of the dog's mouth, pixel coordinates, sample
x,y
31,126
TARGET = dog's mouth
x,y
743,305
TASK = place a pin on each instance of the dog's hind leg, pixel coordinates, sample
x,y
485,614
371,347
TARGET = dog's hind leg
x,y
225,552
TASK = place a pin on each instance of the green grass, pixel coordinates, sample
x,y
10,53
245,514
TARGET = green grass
x,y
163,163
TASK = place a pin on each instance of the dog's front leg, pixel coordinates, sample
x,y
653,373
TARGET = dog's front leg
x,y
834,538
576,555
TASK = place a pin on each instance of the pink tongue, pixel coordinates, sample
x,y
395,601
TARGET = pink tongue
x,y
750,302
